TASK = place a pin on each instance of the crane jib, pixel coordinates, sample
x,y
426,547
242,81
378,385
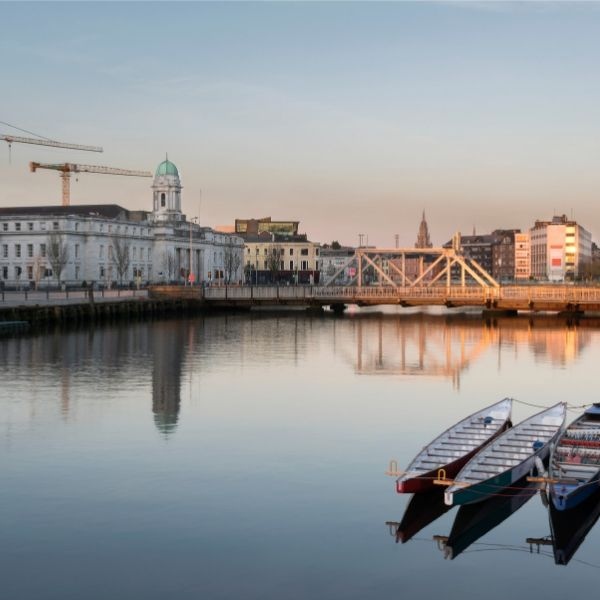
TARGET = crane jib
x,y
53,143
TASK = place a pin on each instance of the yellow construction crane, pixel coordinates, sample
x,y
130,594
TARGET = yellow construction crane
x,y
66,169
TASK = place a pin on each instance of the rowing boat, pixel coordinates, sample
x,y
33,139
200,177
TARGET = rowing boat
x,y
453,448
575,463
511,456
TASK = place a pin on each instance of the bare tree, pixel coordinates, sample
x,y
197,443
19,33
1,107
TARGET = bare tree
x,y
39,268
120,256
232,260
169,265
57,253
273,260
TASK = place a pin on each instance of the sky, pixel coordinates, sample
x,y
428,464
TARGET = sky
x,y
350,117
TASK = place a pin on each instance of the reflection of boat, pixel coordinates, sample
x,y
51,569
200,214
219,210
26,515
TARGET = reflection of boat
x,y
422,510
570,527
474,521
508,458
453,448
575,462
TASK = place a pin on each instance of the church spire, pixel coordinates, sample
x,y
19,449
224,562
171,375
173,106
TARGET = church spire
x,y
423,239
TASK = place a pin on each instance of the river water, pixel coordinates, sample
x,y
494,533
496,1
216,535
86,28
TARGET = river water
x,y
243,456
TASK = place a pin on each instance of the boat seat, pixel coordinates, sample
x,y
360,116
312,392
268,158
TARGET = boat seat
x,y
567,466
487,471
582,443
464,444
501,462
520,446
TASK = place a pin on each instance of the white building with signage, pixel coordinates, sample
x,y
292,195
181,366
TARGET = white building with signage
x,y
560,249
108,244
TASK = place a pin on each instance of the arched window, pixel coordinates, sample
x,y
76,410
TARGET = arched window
x,y
162,199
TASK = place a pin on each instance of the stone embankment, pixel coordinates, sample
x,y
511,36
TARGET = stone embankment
x,y
19,312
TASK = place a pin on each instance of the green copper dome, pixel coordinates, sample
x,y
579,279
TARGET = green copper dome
x,y
166,167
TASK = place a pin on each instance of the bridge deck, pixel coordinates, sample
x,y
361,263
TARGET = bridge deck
x,y
537,298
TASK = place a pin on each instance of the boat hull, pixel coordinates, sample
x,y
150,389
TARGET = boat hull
x,y
424,482
483,490
567,496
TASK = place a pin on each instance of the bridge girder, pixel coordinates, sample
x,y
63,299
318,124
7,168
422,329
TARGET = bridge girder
x,y
409,264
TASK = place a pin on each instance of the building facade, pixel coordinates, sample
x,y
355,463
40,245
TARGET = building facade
x,y
561,249
336,261
522,256
494,252
109,245
503,254
275,252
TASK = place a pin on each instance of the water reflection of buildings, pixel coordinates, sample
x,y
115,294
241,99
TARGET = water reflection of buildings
x,y
168,348
441,346
114,358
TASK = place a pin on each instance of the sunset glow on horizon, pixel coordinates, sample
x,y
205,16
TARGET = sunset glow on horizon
x,y
349,117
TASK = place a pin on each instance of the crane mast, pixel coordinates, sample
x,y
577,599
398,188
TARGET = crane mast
x,y
65,170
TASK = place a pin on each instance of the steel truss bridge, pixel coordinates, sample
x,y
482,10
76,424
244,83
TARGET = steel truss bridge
x,y
403,277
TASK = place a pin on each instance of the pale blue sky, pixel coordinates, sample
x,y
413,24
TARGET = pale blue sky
x,y
352,117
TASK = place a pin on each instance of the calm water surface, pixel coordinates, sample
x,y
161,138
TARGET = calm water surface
x,y
244,457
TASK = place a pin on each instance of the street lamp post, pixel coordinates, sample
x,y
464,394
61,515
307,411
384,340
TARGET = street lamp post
x,y
191,275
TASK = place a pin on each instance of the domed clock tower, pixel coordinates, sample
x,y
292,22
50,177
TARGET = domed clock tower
x,y
167,193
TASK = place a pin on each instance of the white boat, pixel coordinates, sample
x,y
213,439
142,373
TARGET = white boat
x,y
453,448
508,458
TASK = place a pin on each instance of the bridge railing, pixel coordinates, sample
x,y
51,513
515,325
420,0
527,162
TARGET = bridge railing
x,y
345,294
559,293
258,292
400,292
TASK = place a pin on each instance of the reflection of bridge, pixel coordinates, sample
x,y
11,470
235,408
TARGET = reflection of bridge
x,y
556,298
434,346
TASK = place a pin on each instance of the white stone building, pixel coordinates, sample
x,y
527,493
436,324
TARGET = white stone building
x,y
107,244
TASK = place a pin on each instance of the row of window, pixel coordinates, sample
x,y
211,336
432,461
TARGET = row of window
x,y
108,273
29,272
303,251
29,226
303,266
54,225
28,250
134,253
44,272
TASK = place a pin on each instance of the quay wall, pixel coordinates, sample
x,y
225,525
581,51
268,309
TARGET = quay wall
x,y
86,312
